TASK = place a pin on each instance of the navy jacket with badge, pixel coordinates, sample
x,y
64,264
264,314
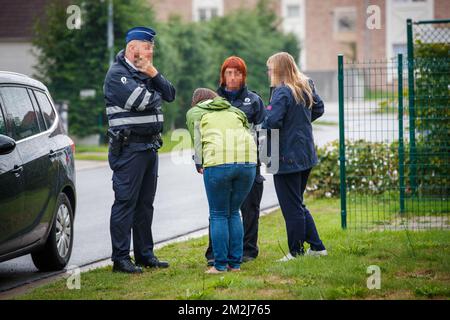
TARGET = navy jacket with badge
x,y
248,102
134,100
296,148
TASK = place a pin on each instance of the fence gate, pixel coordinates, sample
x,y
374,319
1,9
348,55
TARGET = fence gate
x,y
394,132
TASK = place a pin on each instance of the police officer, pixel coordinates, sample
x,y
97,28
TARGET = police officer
x,y
134,91
233,88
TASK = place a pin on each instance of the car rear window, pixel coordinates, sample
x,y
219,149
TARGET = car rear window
x,y
46,108
18,107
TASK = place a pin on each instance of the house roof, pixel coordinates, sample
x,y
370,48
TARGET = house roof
x,y
17,18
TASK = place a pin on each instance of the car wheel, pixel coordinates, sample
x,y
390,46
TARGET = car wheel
x,y
55,254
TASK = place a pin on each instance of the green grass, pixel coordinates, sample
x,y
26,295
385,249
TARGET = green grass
x,y
100,153
325,123
383,210
413,266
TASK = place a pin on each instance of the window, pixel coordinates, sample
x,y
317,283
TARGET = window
x,y
204,10
205,14
46,108
345,20
39,115
202,14
293,11
19,108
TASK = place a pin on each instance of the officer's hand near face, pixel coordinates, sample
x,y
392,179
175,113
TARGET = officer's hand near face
x,y
143,59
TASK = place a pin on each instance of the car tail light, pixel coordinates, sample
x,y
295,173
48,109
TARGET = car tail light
x,y
72,146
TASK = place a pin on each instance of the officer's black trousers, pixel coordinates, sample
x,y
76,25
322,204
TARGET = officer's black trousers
x,y
134,183
300,224
250,210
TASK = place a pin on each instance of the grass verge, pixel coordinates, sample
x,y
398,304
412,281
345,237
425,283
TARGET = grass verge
x,y
414,266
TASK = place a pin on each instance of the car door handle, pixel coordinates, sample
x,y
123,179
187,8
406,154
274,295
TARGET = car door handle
x,y
53,154
17,170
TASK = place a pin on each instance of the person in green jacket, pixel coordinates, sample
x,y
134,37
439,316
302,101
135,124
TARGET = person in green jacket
x,y
225,153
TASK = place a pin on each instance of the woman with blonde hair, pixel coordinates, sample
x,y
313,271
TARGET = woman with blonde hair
x,y
294,105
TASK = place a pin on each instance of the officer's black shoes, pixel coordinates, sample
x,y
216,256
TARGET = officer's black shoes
x,y
126,266
152,263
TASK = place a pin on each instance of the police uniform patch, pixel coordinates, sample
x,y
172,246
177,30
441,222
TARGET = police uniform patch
x,y
247,99
124,80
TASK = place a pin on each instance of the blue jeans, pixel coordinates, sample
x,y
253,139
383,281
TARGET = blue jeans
x,y
226,187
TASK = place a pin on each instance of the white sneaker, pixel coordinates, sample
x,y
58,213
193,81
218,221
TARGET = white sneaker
x,y
314,253
286,258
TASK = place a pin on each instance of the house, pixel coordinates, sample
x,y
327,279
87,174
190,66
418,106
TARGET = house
x,y
360,29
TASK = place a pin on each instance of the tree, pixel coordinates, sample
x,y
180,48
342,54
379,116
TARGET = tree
x,y
195,62
188,54
202,47
254,36
70,60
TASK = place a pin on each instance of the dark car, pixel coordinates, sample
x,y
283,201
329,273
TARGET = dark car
x,y
37,175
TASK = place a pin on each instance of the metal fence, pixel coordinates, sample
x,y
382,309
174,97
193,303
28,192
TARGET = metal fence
x,y
395,135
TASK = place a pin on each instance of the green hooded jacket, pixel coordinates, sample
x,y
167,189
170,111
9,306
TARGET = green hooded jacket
x,y
220,133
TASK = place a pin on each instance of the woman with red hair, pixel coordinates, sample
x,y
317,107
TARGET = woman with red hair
x,y
233,88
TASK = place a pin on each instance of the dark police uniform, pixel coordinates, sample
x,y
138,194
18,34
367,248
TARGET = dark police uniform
x,y
133,107
297,156
252,105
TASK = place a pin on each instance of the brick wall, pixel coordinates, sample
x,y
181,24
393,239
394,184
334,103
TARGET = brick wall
x,y
230,5
321,43
442,9
165,8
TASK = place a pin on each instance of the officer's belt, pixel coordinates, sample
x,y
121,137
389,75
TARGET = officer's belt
x,y
142,139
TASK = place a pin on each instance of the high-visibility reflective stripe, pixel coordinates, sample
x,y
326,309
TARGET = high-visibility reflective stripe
x,y
144,101
136,120
114,110
133,96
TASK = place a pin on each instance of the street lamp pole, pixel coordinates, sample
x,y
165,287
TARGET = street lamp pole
x,y
110,33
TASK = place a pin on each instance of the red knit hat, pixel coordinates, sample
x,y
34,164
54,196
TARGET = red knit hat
x,y
233,62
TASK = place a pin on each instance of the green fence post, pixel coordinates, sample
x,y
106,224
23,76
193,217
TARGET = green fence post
x,y
411,108
342,142
401,150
